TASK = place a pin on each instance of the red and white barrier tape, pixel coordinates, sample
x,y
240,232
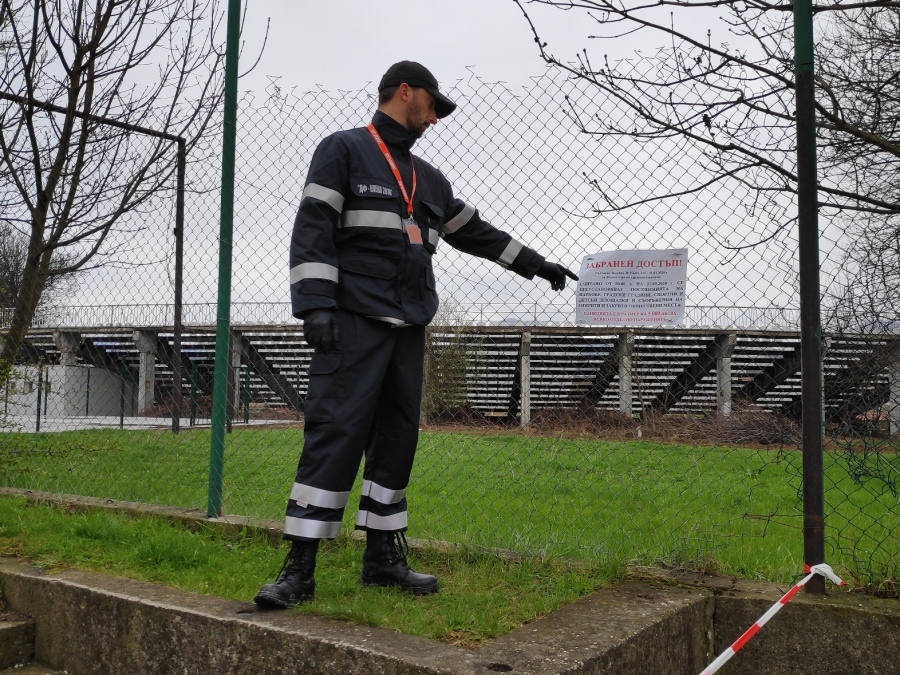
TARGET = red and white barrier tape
x,y
822,569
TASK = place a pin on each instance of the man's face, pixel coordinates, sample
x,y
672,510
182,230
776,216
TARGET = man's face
x,y
420,112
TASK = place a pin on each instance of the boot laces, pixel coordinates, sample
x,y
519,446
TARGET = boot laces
x,y
399,549
292,564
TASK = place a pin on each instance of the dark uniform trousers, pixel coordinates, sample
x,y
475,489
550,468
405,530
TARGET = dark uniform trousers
x,y
362,398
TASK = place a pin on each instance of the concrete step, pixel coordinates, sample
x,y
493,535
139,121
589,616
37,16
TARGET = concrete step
x,y
17,645
16,638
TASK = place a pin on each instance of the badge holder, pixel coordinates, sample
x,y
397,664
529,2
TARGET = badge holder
x,y
411,227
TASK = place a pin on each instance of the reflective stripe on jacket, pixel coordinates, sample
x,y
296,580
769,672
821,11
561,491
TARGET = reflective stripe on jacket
x,y
349,249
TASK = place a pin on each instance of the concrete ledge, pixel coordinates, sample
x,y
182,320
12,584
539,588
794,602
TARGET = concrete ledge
x,y
633,627
193,519
91,624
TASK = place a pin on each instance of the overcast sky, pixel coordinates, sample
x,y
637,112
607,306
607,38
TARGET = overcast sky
x,y
348,43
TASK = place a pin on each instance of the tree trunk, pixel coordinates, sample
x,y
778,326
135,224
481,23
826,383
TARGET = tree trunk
x,y
34,278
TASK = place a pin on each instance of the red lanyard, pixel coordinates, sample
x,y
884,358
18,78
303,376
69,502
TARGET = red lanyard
x,y
407,198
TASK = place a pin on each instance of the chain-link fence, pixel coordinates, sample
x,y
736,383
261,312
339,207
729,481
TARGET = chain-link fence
x,y
674,446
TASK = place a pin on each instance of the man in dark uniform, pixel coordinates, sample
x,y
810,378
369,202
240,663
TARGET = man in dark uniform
x,y
369,222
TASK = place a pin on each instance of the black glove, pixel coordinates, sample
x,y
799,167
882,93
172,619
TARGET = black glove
x,y
320,329
556,274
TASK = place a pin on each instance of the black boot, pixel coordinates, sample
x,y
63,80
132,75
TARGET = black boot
x,y
295,583
384,564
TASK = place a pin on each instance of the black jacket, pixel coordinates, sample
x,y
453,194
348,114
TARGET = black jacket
x,y
349,249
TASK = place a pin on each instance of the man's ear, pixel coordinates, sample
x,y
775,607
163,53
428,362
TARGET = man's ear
x,y
405,92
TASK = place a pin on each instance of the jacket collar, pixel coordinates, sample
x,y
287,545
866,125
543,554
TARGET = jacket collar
x,y
395,135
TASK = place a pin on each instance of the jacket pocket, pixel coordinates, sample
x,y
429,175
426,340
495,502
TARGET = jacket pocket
x,y
432,217
369,284
379,267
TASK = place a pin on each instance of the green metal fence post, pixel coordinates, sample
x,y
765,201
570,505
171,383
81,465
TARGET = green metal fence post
x,y
87,394
226,228
810,311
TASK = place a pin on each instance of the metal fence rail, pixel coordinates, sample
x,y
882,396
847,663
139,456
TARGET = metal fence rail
x,y
477,314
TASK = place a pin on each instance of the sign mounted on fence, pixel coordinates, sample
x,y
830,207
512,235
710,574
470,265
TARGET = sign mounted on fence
x,y
632,288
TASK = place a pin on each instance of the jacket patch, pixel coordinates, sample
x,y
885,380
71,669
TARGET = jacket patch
x,y
373,189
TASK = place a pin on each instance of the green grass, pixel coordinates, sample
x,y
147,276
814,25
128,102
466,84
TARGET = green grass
x,y
481,595
618,503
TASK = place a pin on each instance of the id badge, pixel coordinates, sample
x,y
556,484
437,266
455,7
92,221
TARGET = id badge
x,y
412,231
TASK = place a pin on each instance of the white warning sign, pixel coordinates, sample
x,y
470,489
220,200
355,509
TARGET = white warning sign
x,y
632,288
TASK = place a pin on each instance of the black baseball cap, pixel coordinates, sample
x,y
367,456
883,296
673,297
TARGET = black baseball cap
x,y
416,75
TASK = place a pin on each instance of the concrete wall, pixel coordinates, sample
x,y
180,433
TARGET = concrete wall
x,y
69,391
92,624
844,634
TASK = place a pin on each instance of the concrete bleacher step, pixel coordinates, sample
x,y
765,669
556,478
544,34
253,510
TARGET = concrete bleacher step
x,y
567,367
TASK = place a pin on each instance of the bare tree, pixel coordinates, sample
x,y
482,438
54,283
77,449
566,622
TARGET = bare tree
x,y
861,83
737,104
13,254
67,182
731,99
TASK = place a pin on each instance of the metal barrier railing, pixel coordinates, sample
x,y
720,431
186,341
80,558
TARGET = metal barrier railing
x,y
477,314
